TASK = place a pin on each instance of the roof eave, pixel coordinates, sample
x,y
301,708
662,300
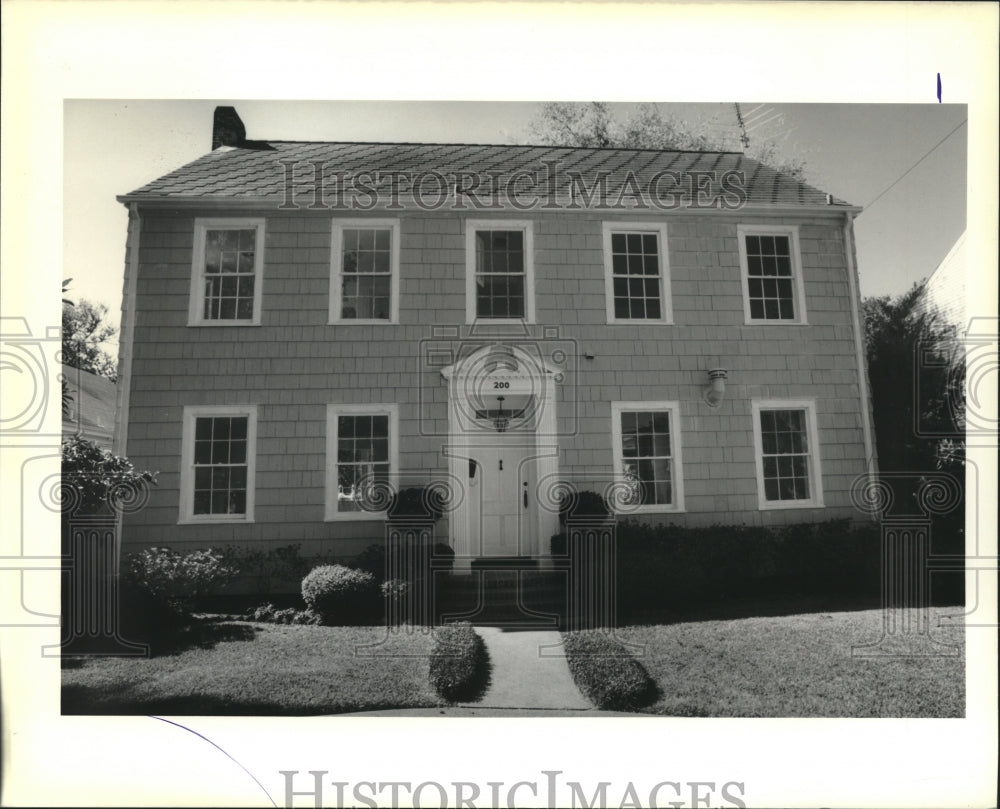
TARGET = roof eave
x,y
161,202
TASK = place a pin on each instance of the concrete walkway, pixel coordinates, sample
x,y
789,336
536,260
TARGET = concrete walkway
x,y
529,671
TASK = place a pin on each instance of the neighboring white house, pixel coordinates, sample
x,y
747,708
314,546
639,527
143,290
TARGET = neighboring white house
x,y
90,413
945,289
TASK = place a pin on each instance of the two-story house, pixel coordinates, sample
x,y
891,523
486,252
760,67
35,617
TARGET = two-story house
x,y
308,326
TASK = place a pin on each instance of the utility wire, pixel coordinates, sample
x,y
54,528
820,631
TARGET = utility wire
x,y
911,168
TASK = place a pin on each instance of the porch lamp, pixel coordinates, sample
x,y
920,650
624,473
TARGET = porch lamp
x,y
501,420
716,389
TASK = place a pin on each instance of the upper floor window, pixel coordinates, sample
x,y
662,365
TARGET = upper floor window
x,y
226,272
362,457
636,272
647,453
788,473
364,283
499,271
218,463
772,277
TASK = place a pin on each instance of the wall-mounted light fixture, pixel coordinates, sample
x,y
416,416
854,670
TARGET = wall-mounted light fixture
x,y
716,389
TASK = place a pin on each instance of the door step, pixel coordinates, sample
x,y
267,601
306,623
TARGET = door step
x,y
505,597
505,563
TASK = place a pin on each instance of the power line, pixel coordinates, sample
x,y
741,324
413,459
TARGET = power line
x,y
921,160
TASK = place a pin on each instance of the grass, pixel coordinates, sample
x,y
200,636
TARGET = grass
x,y
253,669
799,665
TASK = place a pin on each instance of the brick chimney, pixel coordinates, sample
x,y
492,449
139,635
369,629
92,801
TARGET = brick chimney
x,y
227,128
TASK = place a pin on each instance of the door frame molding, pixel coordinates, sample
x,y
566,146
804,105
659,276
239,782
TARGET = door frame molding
x,y
467,380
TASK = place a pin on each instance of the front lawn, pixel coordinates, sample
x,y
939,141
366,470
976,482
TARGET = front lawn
x,y
260,670
799,665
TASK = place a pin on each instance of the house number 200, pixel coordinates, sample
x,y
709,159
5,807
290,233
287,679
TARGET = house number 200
x,y
500,385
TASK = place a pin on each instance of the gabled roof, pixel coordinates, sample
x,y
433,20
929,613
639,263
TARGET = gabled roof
x,y
261,171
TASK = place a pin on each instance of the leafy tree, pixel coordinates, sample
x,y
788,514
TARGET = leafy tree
x,y
646,127
94,478
917,375
84,331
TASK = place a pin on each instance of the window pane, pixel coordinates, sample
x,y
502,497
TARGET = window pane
x,y
238,502
220,502
771,488
202,502
238,452
238,477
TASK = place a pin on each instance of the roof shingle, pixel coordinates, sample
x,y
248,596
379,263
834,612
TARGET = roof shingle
x,y
264,171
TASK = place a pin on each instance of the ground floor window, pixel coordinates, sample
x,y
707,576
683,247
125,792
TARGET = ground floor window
x,y
218,460
361,460
647,454
787,454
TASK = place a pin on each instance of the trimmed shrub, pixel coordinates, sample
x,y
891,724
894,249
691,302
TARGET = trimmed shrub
x,y
339,594
606,673
582,505
269,614
416,502
459,664
372,560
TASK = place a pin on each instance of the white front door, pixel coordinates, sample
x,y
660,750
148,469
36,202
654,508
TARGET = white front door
x,y
504,471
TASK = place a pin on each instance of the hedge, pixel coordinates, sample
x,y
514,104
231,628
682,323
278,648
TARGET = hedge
x,y
459,663
606,673
660,565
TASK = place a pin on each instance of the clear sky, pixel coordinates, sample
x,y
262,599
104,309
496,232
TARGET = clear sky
x,y
854,151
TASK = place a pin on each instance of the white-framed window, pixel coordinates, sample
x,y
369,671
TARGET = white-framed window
x,y
218,463
362,459
364,274
771,267
637,272
499,270
787,454
647,454
227,272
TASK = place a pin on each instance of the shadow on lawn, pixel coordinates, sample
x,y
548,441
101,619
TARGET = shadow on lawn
x,y
724,609
85,701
